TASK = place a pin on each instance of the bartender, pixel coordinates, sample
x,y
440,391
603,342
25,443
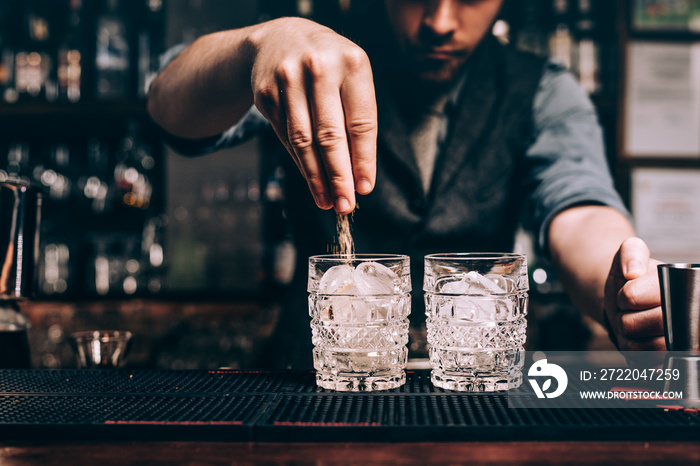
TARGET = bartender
x,y
451,138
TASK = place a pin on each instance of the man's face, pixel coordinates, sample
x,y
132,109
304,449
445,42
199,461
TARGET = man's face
x,y
437,36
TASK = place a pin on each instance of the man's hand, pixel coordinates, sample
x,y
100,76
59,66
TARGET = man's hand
x,y
633,299
313,85
316,89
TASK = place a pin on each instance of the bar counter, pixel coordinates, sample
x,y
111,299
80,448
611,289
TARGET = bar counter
x,y
267,417
48,453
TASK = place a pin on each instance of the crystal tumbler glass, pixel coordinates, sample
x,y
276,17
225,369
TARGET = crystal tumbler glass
x,y
359,306
476,305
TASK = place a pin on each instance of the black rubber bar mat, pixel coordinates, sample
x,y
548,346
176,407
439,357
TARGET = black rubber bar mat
x,y
287,406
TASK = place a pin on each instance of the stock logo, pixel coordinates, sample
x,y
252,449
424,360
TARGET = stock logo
x,y
543,369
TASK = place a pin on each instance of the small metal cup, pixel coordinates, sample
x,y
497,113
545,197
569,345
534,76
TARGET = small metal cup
x,y
688,366
680,303
101,349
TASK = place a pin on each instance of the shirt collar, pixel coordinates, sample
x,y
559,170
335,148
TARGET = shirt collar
x,y
456,91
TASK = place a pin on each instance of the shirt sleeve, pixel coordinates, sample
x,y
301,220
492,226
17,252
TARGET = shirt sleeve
x,y
565,163
248,127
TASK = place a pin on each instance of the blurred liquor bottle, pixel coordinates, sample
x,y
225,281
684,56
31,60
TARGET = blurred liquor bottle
x,y
151,42
70,53
35,67
113,52
54,171
586,63
8,39
152,268
17,167
93,183
560,39
305,7
133,165
531,32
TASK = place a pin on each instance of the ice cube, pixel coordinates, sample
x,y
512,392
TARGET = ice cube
x,y
504,283
361,311
481,285
452,286
338,280
504,309
340,309
474,309
464,308
372,278
472,283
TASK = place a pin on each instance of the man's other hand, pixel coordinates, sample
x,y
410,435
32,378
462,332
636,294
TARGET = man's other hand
x,y
633,299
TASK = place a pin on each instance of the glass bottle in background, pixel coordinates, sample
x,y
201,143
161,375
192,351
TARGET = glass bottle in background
x,y
129,267
278,252
100,269
52,175
113,52
54,271
114,266
34,67
18,162
152,253
587,53
70,54
54,172
133,165
93,184
8,37
305,7
560,40
150,44
530,35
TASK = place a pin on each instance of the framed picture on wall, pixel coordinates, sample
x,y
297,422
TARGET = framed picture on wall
x,y
662,100
666,211
666,15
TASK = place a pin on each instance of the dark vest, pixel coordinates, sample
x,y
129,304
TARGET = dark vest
x,y
476,194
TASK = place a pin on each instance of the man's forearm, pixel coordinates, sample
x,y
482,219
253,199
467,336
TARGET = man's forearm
x,y
206,89
583,241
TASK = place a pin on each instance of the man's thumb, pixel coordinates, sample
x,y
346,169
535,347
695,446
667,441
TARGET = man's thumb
x,y
634,258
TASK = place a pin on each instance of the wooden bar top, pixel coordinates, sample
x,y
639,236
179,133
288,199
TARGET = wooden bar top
x,y
187,453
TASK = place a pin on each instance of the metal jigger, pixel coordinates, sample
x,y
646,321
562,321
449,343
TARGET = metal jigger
x,y
20,217
101,349
680,302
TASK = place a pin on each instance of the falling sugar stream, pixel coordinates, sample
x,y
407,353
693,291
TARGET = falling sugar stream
x,y
346,245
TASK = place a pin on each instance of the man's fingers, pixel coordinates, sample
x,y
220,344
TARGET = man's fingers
x,y
300,137
267,100
641,324
360,107
632,298
331,141
316,89
634,258
642,293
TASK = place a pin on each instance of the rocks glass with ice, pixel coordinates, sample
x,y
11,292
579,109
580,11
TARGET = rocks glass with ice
x,y
359,306
476,305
